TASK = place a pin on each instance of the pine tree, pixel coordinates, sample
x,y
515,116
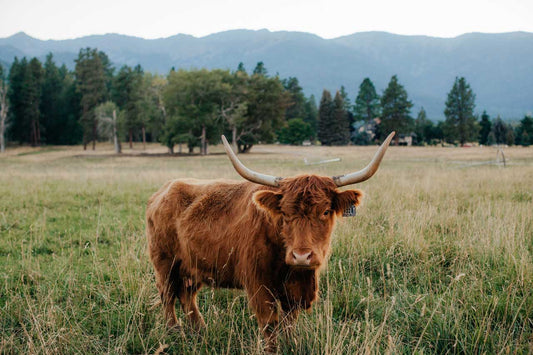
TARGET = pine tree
x,y
51,101
69,129
340,125
91,84
4,108
396,110
33,92
24,94
524,131
326,111
127,94
260,69
486,127
509,136
500,130
296,98
311,115
367,105
14,96
422,127
241,68
460,123
348,108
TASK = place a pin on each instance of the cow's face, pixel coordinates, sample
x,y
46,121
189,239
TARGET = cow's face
x,y
306,207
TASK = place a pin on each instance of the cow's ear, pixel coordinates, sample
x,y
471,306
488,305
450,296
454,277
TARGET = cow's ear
x,y
268,200
345,199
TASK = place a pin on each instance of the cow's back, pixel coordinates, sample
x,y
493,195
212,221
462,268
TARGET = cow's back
x,y
189,221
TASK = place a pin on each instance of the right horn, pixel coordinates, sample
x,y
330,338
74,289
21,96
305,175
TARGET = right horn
x,y
368,171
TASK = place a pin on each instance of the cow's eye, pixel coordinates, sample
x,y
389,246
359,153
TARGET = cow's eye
x,y
327,212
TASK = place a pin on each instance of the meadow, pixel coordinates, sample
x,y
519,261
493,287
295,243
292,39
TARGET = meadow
x,y
439,258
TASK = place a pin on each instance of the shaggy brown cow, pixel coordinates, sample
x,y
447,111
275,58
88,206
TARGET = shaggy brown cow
x,y
270,236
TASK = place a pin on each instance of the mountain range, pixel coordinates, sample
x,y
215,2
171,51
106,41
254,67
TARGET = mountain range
x,y
498,67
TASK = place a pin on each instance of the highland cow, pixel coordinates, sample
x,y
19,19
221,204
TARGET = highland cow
x,y
269,236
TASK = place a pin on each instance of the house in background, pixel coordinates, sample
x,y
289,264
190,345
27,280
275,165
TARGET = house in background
x,y
364,133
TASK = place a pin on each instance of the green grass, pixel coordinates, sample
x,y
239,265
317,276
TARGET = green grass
x,y
438,260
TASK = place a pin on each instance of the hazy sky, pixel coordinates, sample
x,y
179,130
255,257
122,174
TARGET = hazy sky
x,y
61,19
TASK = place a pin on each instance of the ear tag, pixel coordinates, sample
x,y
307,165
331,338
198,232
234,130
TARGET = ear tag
x,y
349,211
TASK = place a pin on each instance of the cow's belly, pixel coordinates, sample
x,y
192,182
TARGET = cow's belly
x,y
209,260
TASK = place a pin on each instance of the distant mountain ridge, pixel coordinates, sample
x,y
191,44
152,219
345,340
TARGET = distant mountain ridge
x,y
499,67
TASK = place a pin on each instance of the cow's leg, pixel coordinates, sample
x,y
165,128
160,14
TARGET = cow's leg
x,y
168,283
187,297
288,320
290,316
264,305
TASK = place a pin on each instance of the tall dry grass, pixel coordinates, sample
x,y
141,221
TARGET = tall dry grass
x,y
438,259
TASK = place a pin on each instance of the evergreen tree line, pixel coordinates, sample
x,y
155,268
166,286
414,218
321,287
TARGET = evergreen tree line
x,y
47,104
94,102
372,117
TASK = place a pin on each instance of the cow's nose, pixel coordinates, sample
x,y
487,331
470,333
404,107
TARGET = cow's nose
x,y
302,256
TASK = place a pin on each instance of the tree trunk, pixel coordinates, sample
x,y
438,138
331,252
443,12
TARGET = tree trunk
x,y
202,143
118,148
38,134
171,150
84,145
179,149
131,138
234,138
33,134
94,135
3,116
144,137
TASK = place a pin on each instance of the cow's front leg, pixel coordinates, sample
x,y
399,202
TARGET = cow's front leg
x,y
264,305
289,318
187,298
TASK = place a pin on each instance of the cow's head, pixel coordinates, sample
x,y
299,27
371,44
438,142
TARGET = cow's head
x,y
307,206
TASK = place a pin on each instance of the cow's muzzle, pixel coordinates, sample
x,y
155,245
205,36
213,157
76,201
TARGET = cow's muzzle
x,y
305,258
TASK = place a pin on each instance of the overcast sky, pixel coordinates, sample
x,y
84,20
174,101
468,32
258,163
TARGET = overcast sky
x,y
62,19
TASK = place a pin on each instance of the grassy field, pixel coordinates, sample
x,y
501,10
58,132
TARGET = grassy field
x,y
438,260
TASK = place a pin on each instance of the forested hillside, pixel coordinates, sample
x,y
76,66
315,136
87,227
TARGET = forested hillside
x,y
498,66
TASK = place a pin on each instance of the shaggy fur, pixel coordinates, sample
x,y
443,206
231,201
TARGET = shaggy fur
x,y
247,236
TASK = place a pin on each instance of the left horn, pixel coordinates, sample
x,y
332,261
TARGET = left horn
x,y
248,174
368,171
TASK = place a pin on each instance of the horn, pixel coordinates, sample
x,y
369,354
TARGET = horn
x,y
246,173
368,171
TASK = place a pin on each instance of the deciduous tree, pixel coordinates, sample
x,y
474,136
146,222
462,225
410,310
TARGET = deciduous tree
x,y
266,104
108,125
190,98
295,132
